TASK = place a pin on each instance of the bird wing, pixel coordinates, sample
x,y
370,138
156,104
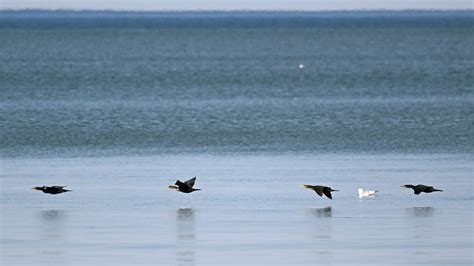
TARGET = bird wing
x,y
327,192
180,184
419,188
59,187
318,190
190,182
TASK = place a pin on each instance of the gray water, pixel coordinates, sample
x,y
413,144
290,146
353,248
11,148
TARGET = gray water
x,y
118,105
250,211
183,83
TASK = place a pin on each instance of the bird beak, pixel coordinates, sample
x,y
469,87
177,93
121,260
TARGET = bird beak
x,y
173,187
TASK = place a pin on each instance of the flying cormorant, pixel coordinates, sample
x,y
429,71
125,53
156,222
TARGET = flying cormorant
x,y
52,190
186,187
320,190
421,188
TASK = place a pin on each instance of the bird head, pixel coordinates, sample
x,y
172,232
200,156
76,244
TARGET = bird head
x,y
173,187
360,190
39,188
305,186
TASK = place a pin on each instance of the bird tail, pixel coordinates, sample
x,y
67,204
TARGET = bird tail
x,y
334,190
434,189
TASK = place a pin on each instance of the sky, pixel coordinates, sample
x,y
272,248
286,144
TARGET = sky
x,y
236,4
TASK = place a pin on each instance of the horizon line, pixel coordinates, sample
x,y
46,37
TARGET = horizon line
x,y
237,10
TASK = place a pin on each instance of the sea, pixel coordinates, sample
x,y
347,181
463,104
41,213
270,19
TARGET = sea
x,y
118,105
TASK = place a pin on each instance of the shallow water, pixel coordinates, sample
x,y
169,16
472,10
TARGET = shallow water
x,y
250,211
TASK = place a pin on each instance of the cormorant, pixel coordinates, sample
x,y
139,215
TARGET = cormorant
x,y
421,188
52,190
186,187
368,193
320,190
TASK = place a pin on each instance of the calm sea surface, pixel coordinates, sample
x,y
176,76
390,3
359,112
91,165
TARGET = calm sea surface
x,y
119,105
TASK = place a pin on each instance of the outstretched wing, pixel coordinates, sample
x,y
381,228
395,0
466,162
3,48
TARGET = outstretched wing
x,y
190,182
318,190
180,184
327,192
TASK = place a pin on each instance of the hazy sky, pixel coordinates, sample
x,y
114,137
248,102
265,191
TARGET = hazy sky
x,y
237,4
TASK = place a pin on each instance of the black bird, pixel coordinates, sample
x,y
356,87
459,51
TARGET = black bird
x,y
421,188
320,190
52,190
186,187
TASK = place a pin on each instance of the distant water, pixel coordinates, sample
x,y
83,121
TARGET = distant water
x,y
105,83
118,105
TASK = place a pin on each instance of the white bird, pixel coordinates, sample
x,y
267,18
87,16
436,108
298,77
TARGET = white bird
x,y
301,66
368,193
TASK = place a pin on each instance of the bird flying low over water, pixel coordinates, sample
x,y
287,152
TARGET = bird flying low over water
x,y
185,187
421,188
52,190
320,190
367,193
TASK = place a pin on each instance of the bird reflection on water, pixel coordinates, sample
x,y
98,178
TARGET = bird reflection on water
x,y
184,214
185,236
422,227
52,229
52,224
421,211
322,212
52,215
321,229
